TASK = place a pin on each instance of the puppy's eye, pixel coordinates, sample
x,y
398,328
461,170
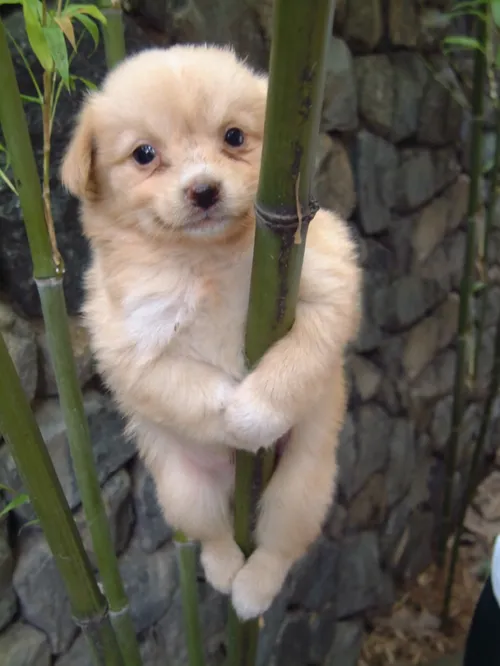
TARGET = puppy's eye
x,y
144,154
234,137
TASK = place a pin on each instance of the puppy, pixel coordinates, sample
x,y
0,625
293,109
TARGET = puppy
x,y
165,160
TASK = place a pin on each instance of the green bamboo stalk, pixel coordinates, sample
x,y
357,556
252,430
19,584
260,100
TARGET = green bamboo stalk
x,y
488,226
473,475
301,31
48,273
113,31
186,558
33,461
466,289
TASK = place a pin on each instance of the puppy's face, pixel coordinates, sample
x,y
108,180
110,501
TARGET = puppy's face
x,y
172,143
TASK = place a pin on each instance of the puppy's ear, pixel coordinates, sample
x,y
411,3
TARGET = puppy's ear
x,y
77,170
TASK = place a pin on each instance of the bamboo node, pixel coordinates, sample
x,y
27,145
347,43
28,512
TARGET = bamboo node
x,y
48,282
286,221
90,623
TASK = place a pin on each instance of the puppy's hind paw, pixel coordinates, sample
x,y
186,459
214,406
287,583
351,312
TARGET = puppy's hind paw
x,y
258,583
221,561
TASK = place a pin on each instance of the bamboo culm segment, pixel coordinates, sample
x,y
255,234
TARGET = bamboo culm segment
x,y
467,284
301,33
71,399
49,282
26,176
186,561
19,427
113,32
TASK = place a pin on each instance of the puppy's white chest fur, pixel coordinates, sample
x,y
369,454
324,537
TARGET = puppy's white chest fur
x,y
200,314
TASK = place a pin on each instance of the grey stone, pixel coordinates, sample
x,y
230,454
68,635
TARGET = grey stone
x,y
434,25
21,645
336,521
404,301
376,167
347,644
293,642
82,354
436,380
409,79
169,637
272,621
8,606
346,456
360,583
370,335
421,174
368,508
441,110
322,632
334,180
401,460
41,592
117,498
367,377
440,429
373,433
20,340
16,279
375,83
315,576
363,25
111,448
77,655
151,530
429,336
340,105
417,552
150,582
403,23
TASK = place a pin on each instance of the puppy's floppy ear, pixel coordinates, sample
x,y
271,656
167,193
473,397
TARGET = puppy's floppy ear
x,y
77,170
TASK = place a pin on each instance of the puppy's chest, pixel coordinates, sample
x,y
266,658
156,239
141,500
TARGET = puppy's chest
x,y
202,317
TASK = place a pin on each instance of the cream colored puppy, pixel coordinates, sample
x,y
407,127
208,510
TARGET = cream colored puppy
x,y
165,160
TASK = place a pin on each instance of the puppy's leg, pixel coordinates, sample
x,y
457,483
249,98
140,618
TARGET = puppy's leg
x,y
292,511
195,499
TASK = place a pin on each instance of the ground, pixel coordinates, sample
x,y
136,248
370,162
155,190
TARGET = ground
x,y
411,633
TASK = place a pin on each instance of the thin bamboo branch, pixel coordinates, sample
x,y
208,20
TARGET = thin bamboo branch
x,y
48,276
473,475
186,558
33,461
488,226
466,289
301,32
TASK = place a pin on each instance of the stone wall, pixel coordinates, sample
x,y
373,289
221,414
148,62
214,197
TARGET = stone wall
x,y
389,159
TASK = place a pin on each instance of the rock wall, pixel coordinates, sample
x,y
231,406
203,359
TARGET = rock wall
x,y
390,160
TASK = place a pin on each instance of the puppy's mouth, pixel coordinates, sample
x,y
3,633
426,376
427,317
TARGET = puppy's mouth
x,y
208,221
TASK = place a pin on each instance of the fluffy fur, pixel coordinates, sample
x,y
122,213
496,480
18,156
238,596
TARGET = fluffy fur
x,y
166,302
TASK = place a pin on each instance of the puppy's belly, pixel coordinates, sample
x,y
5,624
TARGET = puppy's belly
x,y
161,447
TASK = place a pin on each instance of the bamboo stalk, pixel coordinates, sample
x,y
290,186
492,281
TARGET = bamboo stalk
x,y
283,210
186,558
489,221
472,478
48,270
113,31
466,289
33,461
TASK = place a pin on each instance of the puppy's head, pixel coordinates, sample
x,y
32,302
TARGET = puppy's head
x,y
172,142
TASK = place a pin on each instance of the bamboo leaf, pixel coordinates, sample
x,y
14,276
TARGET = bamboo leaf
x,y
8,182
90,10
495,11
90,84
11,2
36,35
29,98
27,66
58,50
89,26
463,42
64,22
17,501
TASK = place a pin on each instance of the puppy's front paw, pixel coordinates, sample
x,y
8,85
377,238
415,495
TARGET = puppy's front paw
x,y
221,561
258,583
251,419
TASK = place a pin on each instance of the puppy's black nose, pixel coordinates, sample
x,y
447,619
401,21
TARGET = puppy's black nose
x,y
204,195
